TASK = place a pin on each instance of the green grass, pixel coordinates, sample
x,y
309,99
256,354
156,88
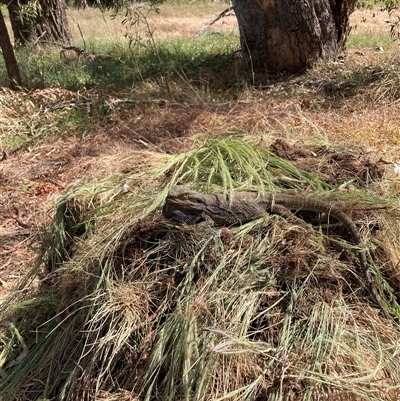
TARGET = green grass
x,y
370,39
181,61
368,4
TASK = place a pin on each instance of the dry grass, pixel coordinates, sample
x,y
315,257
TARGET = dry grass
x,y
369,27
136,308
173,21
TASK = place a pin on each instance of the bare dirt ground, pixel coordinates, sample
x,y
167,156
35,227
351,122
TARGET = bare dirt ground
x,y
33,176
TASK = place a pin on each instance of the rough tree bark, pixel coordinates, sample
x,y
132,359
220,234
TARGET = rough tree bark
x,y
47,23
290,35
8,54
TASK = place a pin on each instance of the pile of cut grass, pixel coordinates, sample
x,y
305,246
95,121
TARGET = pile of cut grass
x,y
133,307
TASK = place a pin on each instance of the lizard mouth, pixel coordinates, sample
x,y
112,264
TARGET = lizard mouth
x,y
185,205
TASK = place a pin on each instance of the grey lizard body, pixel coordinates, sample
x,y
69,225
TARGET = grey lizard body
x,y
184,205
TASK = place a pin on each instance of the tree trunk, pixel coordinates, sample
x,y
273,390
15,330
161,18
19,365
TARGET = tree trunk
x,y
8,54
290,35
42,22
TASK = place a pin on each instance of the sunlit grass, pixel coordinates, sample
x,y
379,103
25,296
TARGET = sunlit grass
x,y
206,61
370,39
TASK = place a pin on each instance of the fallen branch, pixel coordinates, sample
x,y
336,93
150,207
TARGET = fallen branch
x,y
79,51
204,28
163,102
15,247
112,103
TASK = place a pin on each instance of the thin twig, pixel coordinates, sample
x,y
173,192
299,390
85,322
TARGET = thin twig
x,y
77,50
81,33
35,43
212,21
161,102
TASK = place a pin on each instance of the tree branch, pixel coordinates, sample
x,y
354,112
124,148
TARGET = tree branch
x,y
204,28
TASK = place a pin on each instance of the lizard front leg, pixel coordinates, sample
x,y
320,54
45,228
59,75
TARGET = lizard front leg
x,y
288,215
182,217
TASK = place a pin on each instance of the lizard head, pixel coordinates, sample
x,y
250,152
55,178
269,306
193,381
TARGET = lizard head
x,y
185,200
184,205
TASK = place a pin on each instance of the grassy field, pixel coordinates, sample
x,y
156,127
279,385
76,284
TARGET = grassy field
x,y
101,298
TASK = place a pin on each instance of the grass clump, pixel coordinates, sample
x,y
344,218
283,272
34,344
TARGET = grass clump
x,y
16,126
132,305
237,164
27,119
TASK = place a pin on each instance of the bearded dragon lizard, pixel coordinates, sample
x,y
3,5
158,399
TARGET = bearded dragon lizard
x,y
184,205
